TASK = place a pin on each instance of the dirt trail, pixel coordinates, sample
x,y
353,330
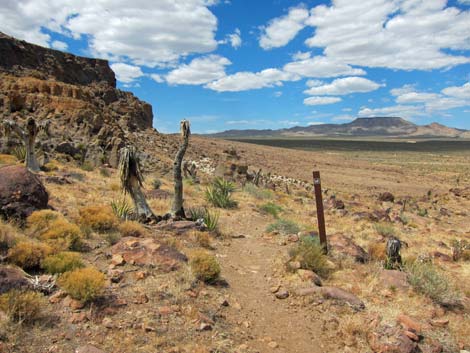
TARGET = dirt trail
x,y
248,268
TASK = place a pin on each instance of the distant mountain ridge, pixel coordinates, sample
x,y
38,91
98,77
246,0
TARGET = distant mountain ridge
x,y
360,127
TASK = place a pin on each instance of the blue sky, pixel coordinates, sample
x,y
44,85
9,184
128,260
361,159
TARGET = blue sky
x,y
268,64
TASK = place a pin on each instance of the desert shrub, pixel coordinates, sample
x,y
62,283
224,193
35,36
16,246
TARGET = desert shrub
x,y
22,306
53,228
98,217
258,192
460,250
131,229
219,193
422,212
284,227
377,251
156,183
309,253
204,266
63,235
203,239
428,280
8,237
39,221
271,208
196,213
50,167
83,284
122,209
87,167
28,254
385,230
7,159
104,172
19,152
62,262
112,237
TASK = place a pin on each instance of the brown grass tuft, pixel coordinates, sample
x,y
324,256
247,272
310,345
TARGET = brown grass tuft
x,y
99,218
83,284
132,229
204,266
22,306
29,254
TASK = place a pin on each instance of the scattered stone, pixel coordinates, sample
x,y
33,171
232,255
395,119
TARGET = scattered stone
x,y
115,276
441,256
409,323
274,289
273,344
389,339
411,335
77,318
21,193
394,279
310,276
88,349
238,236
440,322
346,246
205,327
141,299
140,275
294,265
117,260
282,294
334,293
148,252
179,227
386,197
293,238
57,297
224,302
461,192
107,322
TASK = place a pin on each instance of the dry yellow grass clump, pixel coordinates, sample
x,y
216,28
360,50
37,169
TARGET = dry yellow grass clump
x,y
29,254
62,262
53,228
22,306
132,229
83,284
100,218
204,266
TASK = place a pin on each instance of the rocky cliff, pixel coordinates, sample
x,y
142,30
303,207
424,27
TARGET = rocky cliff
x,y
91,119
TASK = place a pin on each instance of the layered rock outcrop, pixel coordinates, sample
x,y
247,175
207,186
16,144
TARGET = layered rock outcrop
x,y
77,94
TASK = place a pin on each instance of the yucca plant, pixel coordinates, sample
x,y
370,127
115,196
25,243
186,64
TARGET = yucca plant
x,y
211,220
196,213
20,153
122,209
219,193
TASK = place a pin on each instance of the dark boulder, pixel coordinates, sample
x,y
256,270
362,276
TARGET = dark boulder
x,y
12,278
21,193
386,197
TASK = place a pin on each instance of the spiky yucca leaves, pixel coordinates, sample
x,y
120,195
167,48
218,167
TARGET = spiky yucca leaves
x,y
131,182
219,193
177,208
122,209
28,135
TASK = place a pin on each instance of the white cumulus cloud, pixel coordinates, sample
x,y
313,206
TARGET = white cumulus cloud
x,y
282,30
342,86
321,100
59,45
199,71
321,66
126,73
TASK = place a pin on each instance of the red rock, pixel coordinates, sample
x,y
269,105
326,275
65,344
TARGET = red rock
x,y
78,318
57,297
346,246
411,336
394,279
307,275
165,310
117,260
334,293
440,322
12,278
148,252
409,323
441,256
21,193
88,349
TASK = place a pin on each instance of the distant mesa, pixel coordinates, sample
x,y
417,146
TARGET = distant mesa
x,y
360,127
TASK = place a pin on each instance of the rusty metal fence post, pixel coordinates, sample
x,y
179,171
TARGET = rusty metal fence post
x,y
320,212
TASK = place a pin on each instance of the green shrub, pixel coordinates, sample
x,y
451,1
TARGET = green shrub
x,y
258,192
385,230
428,280
422,212
204,266
104,172
271,208
122,209
22,306
284,227
83,284
219,193
62,262
309,253
29,254
211,220
196,213
87,167
63,235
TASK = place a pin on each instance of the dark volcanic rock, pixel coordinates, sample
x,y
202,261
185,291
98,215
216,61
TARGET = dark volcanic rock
x,y
21,193
344,245
386,196
29,59
12,278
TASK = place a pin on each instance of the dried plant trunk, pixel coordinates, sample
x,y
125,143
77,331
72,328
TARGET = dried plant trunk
x,y
28,136
131,182
177,209
393,253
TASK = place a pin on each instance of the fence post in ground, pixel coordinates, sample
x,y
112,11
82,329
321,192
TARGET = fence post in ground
x,y
320,212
